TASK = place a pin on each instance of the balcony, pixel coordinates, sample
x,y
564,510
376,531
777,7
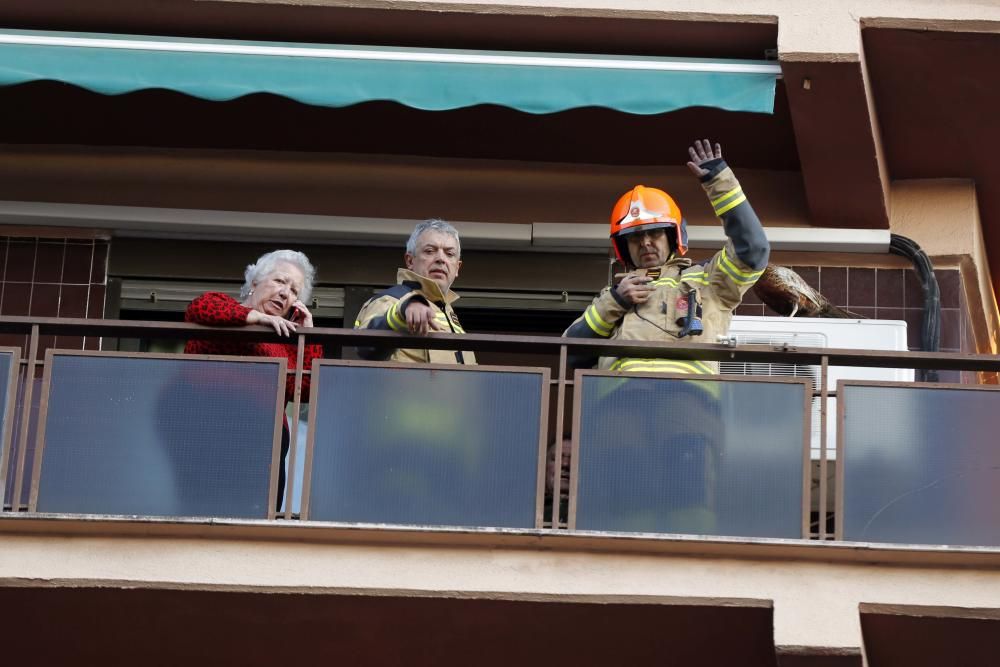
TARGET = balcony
x,y
683,493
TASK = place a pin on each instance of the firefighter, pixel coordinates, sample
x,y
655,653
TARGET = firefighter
x,y
421,301
652,453
664,296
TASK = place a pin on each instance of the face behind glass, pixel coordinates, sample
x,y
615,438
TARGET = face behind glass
x,y
275,293
436,256
648,248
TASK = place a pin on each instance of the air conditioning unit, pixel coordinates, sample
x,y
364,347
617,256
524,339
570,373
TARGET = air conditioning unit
x,y
819,332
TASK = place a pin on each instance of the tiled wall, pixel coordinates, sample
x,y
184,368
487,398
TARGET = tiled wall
x,y
888,294
53,278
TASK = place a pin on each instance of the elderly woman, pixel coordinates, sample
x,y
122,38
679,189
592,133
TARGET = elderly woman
x,y
273,294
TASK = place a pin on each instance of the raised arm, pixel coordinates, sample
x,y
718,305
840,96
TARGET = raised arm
x,y
730,204
738,265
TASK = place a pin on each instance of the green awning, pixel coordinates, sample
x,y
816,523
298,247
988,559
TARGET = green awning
x,y
430,79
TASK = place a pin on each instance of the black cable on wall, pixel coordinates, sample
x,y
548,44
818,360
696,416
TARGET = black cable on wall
x,y
930,333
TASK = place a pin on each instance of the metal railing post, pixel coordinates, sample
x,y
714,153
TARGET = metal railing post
x,y
559,431
823,396
293,426
22,439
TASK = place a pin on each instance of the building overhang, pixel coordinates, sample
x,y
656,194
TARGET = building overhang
x,y
804,598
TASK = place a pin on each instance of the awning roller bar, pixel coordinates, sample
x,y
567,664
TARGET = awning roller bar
x,y
399,55
338,75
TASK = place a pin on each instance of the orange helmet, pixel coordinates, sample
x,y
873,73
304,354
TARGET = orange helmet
x,y
642,209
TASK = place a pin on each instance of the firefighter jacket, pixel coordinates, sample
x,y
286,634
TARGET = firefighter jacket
x,y
386,310
718,286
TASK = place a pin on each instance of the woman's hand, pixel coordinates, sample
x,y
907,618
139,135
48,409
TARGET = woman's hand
x,y
279,324
304,317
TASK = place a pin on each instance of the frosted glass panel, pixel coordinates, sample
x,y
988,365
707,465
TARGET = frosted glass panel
x,y
921,465
701,457
159,437
421,446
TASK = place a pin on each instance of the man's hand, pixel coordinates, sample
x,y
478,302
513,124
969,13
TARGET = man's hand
x,y
420,318
634,289
279,324
701,152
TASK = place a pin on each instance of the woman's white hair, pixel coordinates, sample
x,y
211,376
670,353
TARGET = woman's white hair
x,y
266,264
432,225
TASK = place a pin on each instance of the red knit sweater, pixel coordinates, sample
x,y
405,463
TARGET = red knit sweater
x,y
218,309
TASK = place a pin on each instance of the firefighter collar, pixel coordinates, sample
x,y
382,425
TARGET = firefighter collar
x,y
428,287
676,261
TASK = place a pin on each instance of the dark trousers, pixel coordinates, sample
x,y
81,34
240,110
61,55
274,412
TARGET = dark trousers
x,y
285,441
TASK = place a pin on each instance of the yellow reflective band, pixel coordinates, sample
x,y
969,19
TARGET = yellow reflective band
x,y
600,320
594,326
729,272
664,281
731,205
396,323
736,273
654,365
357,323
731,193
695,277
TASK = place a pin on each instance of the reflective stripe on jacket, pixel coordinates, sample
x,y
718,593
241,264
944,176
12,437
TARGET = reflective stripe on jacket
x,y
386,311
719,285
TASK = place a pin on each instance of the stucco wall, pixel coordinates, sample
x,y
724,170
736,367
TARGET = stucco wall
x,y
942,215
816,598
808,29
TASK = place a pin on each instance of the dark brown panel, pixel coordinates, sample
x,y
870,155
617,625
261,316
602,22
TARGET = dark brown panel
x,y
45,300
49,261
76,265
33,110
99,269
890,313
833,131
810,657
514,30
931,637
95,307
130,627
945,95
754,309
860,287
20,261
889,288
73,302
16,299
833,284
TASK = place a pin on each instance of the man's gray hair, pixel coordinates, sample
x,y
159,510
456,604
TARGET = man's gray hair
x,y
432,225
265,266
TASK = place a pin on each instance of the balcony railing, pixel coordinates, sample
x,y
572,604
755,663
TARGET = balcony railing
x,y
114,433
